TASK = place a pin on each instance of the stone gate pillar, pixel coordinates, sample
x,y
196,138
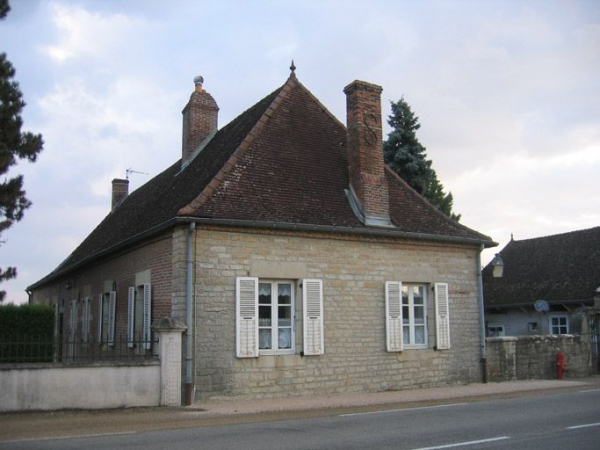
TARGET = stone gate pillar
x,y
169,332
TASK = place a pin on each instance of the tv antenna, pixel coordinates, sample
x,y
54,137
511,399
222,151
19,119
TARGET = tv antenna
x,y
130,171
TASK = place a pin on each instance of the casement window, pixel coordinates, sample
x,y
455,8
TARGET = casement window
x,y
406,306
266,317
559,324
495,330
139,316
85,319
107,303
276,316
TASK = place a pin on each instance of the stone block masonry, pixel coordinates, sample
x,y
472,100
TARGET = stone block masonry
x,y
354,272
534,357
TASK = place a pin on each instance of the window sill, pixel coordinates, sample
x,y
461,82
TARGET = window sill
x,y
275,352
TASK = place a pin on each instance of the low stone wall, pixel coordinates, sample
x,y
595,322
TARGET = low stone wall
x,y
534,357
28,388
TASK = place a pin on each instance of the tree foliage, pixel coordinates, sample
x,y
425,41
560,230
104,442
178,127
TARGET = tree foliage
x,y
406,156
14,145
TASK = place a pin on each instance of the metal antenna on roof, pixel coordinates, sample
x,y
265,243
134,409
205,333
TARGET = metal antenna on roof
x,y
130,171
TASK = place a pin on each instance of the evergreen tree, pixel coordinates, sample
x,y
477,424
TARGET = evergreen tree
x,y
402,151
406,156
14,144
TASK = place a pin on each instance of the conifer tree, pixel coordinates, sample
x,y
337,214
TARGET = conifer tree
x,y
14,145
406,156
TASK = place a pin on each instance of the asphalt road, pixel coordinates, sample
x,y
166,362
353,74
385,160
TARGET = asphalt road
x,y
566,420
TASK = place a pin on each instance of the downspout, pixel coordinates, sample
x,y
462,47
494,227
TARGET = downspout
x,y
189,320
481,317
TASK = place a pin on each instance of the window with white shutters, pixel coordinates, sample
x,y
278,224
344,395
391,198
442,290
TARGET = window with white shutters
x,y
406,312
266,317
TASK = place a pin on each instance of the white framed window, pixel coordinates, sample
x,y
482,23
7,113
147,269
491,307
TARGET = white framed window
x,y
414,315
276,316
139,316
495,330
266,316
406,309
559,324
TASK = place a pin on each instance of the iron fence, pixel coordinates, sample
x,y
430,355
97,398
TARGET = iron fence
x,y
18,349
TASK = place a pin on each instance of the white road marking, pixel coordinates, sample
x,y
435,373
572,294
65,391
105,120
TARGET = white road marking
x,y
589,390
56,438
461,444
587,425
398,410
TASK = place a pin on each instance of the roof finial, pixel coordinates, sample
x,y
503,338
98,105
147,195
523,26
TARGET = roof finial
x,y
198,81
293,67
511,237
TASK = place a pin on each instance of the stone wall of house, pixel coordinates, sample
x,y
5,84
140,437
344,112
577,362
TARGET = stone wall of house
x,y
354,272
534,357
150,262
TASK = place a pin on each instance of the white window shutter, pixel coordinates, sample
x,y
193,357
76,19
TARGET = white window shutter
x,y
112,305
131,317
442,316
312,298
147,331
246,307
99,331
393,315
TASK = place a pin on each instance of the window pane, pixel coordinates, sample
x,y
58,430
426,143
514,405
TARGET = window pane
x,y
419,335
285,316
264,339
405,295
419,315
285,338
264,316
405,315
418,295
284,294
406,335
264,293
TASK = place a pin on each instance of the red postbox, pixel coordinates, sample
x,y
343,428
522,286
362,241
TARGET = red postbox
x,y
561,365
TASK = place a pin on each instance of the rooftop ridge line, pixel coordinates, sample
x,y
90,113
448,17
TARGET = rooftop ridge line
x,y
216,181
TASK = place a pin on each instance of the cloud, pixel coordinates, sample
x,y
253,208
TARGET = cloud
x,y
82,33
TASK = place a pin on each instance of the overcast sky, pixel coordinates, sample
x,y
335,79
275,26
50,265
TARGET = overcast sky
x,y
507,92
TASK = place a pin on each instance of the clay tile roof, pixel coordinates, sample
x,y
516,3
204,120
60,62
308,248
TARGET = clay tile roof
x,y
562,268
283,160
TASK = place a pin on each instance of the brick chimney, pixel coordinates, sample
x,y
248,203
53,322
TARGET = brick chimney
x,y
199,120
368,187
120,190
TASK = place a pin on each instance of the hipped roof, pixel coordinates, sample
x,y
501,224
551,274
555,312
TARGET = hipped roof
x,y
562,268
282,163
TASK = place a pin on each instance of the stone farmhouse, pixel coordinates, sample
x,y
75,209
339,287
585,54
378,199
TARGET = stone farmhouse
x,y
299,263
546,280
